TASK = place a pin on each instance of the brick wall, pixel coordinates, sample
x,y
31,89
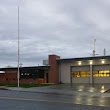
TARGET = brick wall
x,y
10,77
53,70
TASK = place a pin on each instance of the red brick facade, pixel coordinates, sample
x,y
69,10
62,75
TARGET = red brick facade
x,y
51,74
53,70
10,77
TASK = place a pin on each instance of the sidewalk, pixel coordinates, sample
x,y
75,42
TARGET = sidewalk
x,y
60,90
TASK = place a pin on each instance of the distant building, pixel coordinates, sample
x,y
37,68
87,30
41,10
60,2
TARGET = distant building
x,y
88,70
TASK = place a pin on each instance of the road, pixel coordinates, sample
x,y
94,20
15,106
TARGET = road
x,y
15,100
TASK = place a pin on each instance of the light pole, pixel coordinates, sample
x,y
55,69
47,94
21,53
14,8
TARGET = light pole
x,y
18,48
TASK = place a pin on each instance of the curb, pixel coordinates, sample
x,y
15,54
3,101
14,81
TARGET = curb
x,y
3,88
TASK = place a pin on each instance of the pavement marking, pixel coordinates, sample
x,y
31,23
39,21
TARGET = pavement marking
x,y
26,99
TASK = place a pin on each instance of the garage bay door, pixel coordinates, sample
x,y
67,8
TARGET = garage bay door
x,y
101,67
101,74
80,74
80,68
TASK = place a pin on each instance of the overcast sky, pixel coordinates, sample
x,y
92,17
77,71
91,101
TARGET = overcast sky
x,y
63,27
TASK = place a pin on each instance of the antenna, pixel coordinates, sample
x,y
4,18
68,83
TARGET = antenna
x,y
104,52
94,54
94,48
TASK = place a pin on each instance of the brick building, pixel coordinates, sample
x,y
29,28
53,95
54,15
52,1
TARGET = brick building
x,y
35,74
88,70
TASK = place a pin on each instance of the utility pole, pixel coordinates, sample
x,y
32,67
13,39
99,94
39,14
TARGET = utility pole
x,y
18,49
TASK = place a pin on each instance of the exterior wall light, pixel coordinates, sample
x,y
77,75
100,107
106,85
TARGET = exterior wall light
x,y
79,63
103,62
91,62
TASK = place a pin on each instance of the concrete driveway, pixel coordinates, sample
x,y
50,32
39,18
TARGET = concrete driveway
x,y
67,89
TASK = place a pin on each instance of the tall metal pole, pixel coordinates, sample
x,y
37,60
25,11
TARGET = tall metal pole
x,y
18,49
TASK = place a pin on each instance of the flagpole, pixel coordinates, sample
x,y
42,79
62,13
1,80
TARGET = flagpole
x,y
18,49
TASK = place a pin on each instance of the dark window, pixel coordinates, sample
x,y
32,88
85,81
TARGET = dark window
x,y
31,73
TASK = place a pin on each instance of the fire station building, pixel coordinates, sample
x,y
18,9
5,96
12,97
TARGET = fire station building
x,y
88,70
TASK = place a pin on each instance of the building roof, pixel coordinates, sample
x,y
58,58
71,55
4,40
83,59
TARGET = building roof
x,y
83,58
22,68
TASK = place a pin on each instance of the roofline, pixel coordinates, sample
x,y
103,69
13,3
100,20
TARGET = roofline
x,y
25,67
84,58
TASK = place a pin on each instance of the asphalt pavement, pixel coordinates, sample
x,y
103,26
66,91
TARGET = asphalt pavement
x,y
67,89
16,100
64,96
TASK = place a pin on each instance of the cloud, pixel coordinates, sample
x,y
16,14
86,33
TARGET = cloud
x,y
65,28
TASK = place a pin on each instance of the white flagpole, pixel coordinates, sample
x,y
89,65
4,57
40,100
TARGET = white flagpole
x,y
18,49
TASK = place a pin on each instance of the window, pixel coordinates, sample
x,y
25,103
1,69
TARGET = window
x,y
80,74
104,73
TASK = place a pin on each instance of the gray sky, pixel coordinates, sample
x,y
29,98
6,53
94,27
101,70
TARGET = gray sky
x,y
63,27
